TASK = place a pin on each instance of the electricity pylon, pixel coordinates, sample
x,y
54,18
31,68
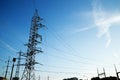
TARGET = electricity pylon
x,y
7,68
18,66
32,47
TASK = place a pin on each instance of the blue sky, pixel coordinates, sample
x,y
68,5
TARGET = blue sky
x,y
82,35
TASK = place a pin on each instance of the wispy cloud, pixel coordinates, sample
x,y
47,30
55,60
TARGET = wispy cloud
x,y
83,29
102,21
8,46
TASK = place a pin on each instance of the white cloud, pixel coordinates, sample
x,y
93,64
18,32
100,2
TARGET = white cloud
x,y
103,20
83,29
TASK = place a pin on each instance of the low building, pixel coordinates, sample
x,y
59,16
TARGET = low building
x,y
106,78
2,78
74,78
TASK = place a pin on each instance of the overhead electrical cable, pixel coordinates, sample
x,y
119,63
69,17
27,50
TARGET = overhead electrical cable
x,y
68,46
63,67
63,72
73,61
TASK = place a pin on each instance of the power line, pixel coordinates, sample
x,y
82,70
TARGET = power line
x,y
62,67
62,51
68,46
73,61
64,58
62,72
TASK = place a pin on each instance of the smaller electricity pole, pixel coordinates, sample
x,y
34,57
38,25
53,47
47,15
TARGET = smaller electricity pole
x,y
14,59
48,78
39,77
99,74
18,65
7,68
117,73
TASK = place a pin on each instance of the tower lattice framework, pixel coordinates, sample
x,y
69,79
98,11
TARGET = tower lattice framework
x,y
32,47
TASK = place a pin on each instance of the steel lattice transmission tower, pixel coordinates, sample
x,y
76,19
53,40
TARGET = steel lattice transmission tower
x,y
32,47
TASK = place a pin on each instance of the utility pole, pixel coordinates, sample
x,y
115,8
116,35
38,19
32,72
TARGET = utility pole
x,y
99,74
14,59
32,47
116,72
48,78
7,68
39,77
104,72
18,66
